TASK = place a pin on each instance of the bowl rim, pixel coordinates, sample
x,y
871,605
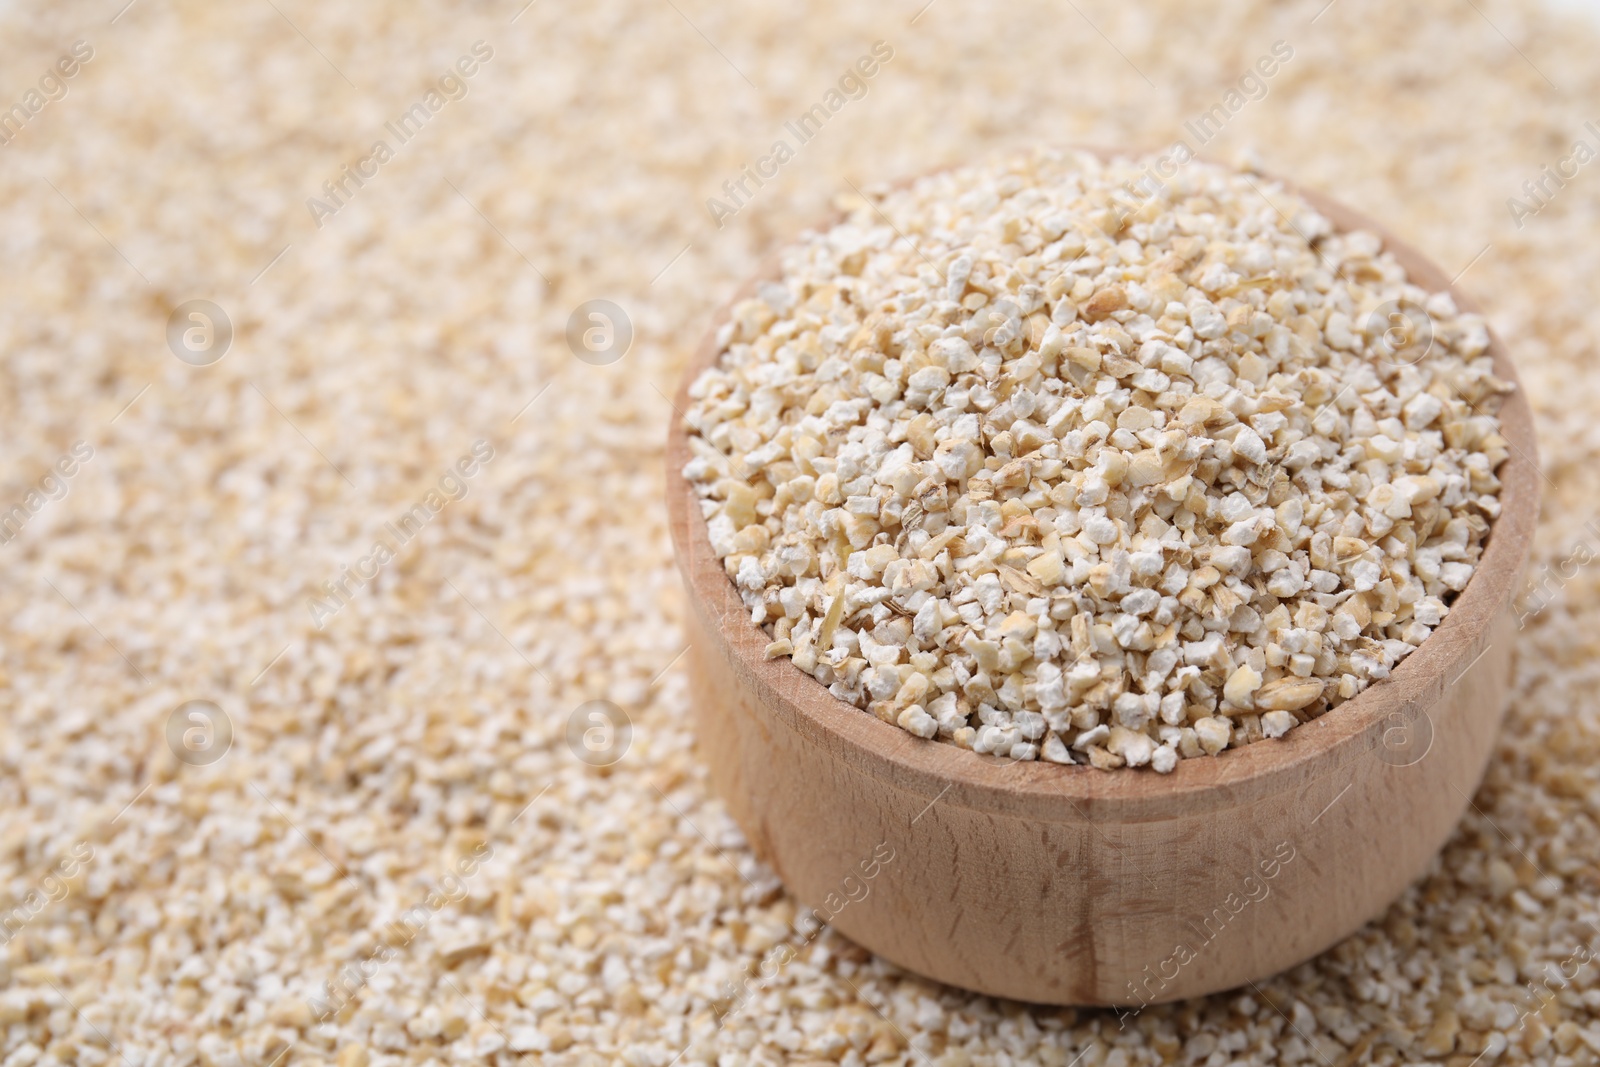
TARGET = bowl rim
x,y
947,773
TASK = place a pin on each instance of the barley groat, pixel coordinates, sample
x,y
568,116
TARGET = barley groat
x,y
621,911
1050,460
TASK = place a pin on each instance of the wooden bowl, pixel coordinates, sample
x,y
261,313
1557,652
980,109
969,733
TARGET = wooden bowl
x,y
1069,885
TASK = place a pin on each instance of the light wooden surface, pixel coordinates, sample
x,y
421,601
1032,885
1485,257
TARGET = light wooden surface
x,y
1069,885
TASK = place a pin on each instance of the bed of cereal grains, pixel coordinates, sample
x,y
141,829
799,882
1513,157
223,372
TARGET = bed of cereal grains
x,y
615,911
1018,461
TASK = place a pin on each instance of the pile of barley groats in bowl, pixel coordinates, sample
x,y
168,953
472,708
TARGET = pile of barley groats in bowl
x,y
1050,461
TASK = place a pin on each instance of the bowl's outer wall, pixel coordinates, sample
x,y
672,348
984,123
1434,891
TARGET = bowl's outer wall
x,y
1072,886
1079,911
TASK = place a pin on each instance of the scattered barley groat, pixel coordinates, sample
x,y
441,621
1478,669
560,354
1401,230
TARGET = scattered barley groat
x,y
1048,462
625,922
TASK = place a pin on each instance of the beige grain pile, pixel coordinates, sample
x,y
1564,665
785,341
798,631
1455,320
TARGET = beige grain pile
x,y
409,757
1018,460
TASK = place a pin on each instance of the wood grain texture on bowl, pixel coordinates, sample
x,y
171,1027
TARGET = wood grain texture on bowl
x,y
1070,885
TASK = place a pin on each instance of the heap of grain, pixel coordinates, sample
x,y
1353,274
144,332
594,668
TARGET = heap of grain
x,y
1048,459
